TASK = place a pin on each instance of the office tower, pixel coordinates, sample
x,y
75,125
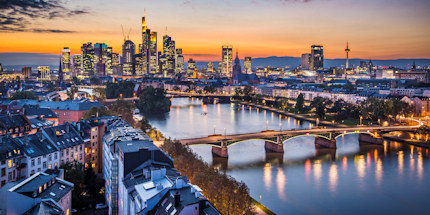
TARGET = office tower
x,y
317,57
306,60
191,66
210,67
100,59
87,61
45,73
127,59
76,65
26,72
169,54
248,65
227,60
66,63
179,61
138,64
347,55
146,50
115,63
153,54
109,61
60,73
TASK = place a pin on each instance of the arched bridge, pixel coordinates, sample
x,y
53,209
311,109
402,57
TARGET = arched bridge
x,y
324,137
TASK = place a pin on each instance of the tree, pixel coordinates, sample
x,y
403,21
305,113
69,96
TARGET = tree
x,y
74,173
237,93
320,104
71,93
95,81
300,101
247,92
122,89
99,94
124,108
23,95
425,131
176,88
97,111
153,100
209,89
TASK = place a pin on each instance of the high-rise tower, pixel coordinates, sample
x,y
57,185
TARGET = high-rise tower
x,y
347,55
317,57
66,62
227,60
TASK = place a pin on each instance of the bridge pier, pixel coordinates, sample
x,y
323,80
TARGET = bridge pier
x,y
274,147
364,139
220,151
321,142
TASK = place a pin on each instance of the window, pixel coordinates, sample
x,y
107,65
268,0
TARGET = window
x,y
49,166
9,163
55,156
80,148
61,154
32,172
3,172
80,156
49,157
67,152
39,161
44,164
32,162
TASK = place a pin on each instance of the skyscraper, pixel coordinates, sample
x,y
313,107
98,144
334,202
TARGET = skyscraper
x,y
306,60
347,55
115,63
26,72
317,57
45,73
127,59
248,65
109,61
153,55
179,61
146,49
66,63
210,67
138,64
77,59
87,61
191,66
100,59
169,53
227,60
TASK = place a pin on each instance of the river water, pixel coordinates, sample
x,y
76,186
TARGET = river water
x,y
390,179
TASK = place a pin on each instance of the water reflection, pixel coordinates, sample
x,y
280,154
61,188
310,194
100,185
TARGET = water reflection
x,y
304,180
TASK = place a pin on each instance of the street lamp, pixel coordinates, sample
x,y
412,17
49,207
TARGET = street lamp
x,y
280,126
333,123
214,128
317,122
361,118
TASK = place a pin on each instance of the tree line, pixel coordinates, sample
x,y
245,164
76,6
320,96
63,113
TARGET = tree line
x,y
224,192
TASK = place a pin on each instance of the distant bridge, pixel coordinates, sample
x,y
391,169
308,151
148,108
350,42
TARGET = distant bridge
x,y
324,137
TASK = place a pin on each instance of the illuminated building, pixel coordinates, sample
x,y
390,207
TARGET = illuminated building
x,y
145,49
153,57
248,65
26,72
179,61
127,59
138,64
60,73
108,62
115,63
169,54
317,57
45,73
306,60
210,67
227,60
76,65
87,61
191,66
347,55
100,59
66,63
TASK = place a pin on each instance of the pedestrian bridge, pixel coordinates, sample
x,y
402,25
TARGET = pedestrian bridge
x,y
324,137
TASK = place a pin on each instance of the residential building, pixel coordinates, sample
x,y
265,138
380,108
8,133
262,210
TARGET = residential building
x,y
40,193
14,125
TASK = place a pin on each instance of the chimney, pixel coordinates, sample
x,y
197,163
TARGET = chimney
x,y
177,199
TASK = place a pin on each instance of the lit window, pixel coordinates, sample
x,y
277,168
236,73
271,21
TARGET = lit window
x,y
9,163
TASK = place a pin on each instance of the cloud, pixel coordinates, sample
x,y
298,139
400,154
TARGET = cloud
x,y
19,15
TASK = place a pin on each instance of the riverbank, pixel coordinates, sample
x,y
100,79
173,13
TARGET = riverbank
x,y
419,143
293,115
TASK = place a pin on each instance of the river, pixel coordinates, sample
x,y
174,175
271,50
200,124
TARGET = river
x,y
389,179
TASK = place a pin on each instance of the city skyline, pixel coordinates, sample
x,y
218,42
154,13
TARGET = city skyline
x,y
281,28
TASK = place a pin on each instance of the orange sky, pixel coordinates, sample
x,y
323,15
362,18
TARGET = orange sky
x,y
383,30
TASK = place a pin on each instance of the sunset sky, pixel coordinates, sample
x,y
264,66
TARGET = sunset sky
x,y
376,29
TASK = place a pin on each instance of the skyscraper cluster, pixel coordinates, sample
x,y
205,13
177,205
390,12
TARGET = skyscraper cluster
x,y
100,60
314,60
